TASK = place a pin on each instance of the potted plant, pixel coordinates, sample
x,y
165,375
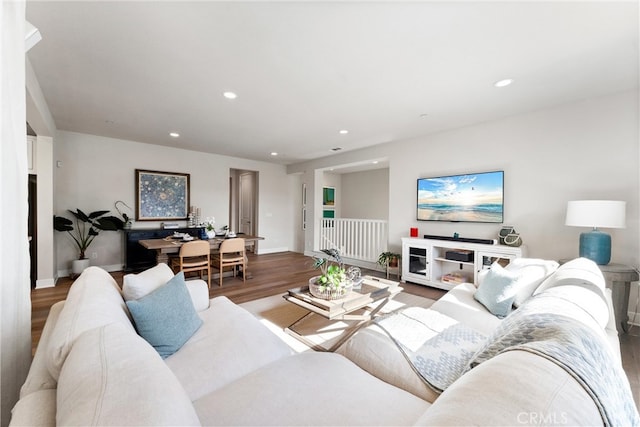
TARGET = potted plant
x,y
209,227
389,259
84,230
333,283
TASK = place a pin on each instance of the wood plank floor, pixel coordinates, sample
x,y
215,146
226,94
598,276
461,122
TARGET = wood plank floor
x,y
274,274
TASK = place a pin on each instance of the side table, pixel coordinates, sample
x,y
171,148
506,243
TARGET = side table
x,y
618,278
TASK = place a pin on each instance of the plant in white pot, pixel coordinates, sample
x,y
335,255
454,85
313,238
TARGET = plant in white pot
x,y
333,283
84,230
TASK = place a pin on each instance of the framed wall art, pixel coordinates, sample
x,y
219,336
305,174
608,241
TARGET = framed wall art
x,y
161,195
328,196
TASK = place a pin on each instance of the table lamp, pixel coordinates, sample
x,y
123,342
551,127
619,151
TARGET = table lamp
x,y
595,244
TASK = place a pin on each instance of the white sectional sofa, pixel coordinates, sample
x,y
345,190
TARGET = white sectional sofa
x,y
92,368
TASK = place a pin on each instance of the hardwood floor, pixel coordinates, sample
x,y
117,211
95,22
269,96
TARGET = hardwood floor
x,y
276,273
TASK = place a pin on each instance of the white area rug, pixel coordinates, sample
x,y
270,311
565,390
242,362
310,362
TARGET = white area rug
x,y
277,314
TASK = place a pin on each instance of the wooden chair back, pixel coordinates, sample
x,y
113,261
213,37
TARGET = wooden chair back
x,y
195,256
231,254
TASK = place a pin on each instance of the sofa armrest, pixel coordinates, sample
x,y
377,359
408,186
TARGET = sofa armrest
x,y
199,291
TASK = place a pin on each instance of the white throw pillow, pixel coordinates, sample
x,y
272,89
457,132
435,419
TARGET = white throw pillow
x,y
531,273
136,286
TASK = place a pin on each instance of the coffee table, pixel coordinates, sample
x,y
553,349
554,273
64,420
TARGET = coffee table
x,y
339,318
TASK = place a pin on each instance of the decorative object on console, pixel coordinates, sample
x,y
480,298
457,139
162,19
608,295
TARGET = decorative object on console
x,y
128,221
209,228
161,195
508,236
596,245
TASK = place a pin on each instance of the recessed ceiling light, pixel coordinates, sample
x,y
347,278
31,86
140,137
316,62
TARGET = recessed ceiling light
x,y
273,153
503,83
423,115
230,95
174,134
375,162
344,131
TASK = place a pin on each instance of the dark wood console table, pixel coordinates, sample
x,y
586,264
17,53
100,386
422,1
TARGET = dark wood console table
x,y
138,258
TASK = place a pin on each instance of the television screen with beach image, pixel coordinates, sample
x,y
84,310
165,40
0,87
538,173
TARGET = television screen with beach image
x,y
476,197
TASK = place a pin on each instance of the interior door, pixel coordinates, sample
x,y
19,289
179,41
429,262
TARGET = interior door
x,y
246,186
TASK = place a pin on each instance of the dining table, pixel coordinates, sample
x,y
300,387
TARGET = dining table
x,y
171,245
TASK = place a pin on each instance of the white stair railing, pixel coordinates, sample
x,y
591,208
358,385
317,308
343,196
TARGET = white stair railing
x,y
358,239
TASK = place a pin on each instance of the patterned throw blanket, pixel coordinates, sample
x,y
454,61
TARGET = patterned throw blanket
x,y
437,347
441,350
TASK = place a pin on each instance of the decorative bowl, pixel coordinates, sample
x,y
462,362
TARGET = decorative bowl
x,y
329,293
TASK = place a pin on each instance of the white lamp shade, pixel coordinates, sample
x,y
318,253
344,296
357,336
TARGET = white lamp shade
x,y
596,213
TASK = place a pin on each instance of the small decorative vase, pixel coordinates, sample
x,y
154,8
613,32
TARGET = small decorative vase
x,y
329,293
211,234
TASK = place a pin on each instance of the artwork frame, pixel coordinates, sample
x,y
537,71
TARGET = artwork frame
x,y
328,196
162,195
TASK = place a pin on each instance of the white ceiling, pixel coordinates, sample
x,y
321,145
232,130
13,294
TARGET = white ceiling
x,y
305,70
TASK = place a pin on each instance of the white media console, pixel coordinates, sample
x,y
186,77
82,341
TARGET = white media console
x,y
429,261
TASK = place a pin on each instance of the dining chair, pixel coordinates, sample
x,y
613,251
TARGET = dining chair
x,y
231,254
194,256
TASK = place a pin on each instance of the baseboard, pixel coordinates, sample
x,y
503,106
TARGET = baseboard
x,y
271,250
45,283
110,268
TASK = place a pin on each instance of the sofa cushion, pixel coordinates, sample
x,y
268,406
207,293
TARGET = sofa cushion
x,y
514,388
94,300
373,350
531,272
114,377
579,272
166,317
135,286
37,409
39,377
310,389
460,304
497,290
231,343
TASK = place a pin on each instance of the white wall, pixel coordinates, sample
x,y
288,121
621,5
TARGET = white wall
x,y
95,172
15,286
370,204
582,150
45,244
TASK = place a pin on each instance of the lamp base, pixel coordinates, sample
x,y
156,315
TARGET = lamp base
x,y
596,246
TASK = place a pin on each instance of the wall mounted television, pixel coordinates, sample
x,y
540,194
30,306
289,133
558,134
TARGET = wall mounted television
x,y
474,197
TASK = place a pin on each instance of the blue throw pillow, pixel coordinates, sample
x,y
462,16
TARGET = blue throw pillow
x,y
497,291
166,317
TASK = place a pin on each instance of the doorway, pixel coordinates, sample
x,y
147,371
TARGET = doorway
x,y
244,201
32,228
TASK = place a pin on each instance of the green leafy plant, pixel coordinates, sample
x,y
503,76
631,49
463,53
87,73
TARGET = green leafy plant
x,y
86,228
333,273
389,259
